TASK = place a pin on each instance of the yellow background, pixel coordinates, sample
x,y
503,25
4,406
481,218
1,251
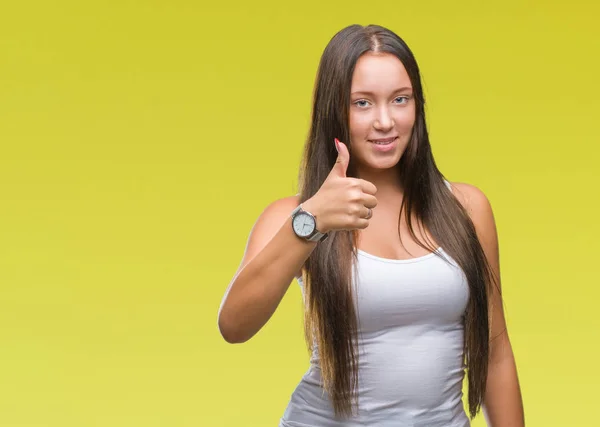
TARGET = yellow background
x,y
140,141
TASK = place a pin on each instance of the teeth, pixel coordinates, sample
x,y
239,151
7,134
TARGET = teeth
x,y
383,143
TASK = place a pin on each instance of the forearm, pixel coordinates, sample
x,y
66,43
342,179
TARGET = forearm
x,y
259,287
503,405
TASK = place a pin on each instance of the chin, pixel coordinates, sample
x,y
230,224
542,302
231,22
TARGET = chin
x,y
384,164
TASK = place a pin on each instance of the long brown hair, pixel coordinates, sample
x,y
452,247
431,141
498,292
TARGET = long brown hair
x,y
330,317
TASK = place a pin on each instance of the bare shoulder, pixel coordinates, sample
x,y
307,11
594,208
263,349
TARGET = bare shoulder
x,y
271,219
471,197
280,206
478,206
268,223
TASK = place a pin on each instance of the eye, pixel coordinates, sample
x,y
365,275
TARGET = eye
x,y
361,103
402,97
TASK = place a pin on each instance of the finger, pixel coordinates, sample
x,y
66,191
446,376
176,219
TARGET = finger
x,y
366,213
364,185
367,187
341,163
362,223
369,201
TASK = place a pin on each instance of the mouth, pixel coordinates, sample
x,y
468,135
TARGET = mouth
x,y
383,141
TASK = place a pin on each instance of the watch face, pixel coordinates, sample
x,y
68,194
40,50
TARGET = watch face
x,y
303,224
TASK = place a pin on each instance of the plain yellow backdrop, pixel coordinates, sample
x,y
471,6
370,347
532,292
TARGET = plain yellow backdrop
x,y
140,140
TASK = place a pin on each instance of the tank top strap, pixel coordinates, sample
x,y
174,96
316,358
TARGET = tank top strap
x,y
448,184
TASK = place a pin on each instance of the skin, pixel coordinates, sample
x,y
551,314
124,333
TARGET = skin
x,y
380,110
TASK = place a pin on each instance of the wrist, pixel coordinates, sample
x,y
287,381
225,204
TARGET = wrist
x,y
314,209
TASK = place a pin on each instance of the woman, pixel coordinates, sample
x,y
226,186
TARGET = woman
x,y
394,312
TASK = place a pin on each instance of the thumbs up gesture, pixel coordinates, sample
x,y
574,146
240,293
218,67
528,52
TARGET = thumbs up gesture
x,y
342,203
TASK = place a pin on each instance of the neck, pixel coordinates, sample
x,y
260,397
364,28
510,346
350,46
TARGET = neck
x,y
387,182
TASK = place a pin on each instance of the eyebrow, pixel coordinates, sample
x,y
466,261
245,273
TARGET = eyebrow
x,y
365,92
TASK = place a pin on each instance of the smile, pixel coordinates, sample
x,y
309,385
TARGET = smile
x,y
383,141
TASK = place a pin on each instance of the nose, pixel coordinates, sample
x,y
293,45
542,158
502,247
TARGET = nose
x,y
383,121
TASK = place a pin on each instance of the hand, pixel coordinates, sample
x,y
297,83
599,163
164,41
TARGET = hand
x,y
342,203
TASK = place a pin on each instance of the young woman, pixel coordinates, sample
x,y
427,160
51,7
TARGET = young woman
x,y
399,267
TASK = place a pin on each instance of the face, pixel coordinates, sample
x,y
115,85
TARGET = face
x,y
382,111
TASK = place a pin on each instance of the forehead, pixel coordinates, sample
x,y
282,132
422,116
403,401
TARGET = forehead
x,y
379,72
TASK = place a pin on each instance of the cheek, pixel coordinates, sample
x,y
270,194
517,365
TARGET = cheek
x,y
359,124
404,119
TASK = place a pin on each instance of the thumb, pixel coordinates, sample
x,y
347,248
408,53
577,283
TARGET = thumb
x,y
343,158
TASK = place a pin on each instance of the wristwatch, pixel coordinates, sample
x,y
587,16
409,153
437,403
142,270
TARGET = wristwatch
x,y
305,225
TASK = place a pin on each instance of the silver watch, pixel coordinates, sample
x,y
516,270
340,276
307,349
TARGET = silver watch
x,y
305,225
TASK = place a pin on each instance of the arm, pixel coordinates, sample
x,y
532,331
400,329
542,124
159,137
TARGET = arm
x,y
273,256
503,405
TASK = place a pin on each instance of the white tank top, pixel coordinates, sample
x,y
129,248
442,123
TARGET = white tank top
x,y
410,348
